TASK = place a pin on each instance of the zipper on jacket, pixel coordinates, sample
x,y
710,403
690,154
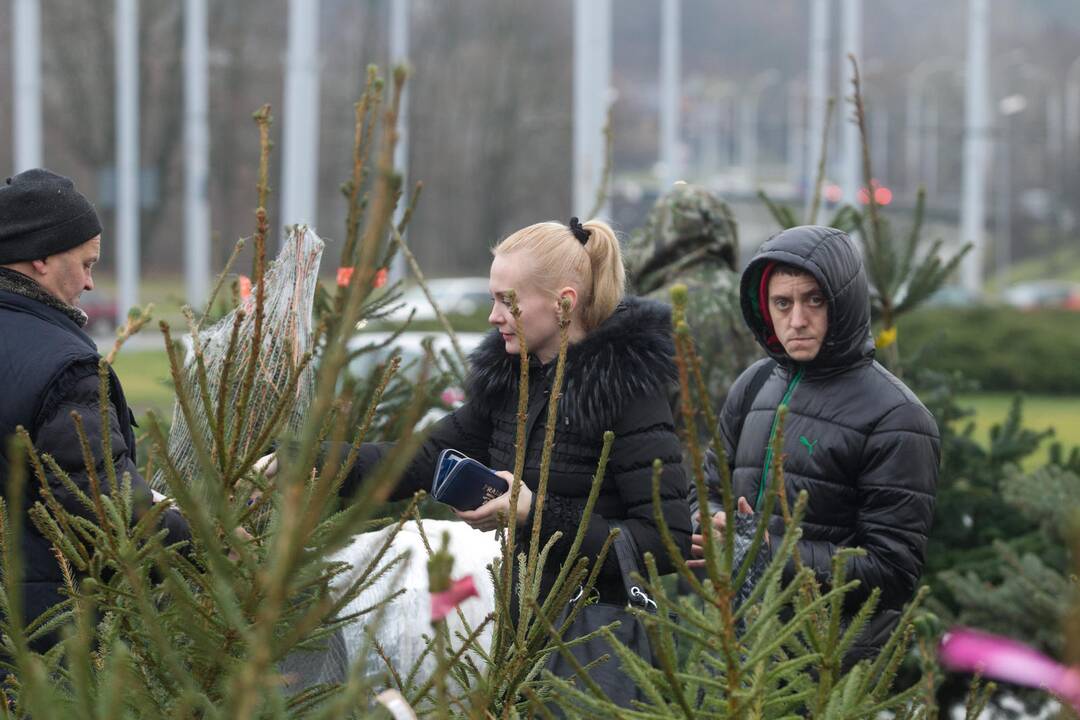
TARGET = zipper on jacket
x,y
772,436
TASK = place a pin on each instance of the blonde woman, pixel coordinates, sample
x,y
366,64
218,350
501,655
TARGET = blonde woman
x,y
619,376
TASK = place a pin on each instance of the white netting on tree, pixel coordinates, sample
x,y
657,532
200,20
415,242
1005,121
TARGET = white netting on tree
x,y
287,335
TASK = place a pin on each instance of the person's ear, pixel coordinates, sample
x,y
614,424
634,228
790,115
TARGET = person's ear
x,y
568,292
41,267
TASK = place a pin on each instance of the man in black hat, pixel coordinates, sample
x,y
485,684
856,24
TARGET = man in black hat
x,y
50,239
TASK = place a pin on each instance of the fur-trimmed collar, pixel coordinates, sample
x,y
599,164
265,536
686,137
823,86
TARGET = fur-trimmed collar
x,y
15,282
632,353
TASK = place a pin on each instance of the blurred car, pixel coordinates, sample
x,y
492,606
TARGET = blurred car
x,y
1043,294
100,313
409,346
953,296
454,296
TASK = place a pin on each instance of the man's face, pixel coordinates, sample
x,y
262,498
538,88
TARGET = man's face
x,y
66,275
800,314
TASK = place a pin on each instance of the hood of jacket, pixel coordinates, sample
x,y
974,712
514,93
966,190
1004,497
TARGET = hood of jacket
x,y
832,258
632,353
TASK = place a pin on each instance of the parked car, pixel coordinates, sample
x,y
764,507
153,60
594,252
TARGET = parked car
x,y
1043,294
100,313
409,346
953,296
455,296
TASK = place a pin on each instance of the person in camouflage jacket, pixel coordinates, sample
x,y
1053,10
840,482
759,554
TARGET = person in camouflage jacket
x,y
690,237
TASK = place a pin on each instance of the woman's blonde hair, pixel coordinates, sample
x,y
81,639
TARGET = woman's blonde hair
x,y
558,258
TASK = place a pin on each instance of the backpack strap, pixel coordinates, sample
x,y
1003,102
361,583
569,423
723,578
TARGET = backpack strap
x,y
756,382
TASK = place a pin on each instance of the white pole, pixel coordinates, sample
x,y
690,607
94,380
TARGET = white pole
x,y
592,93
399,55
197,152
670,50
26,61
931,159
850,181
300,156
796,133
818,100
879,144
748,123
1072,112
605,93
976,140
127,155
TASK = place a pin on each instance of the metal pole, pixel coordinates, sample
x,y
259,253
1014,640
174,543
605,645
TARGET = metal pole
x,y
197,155
300,161
748,125
592,93
879,144
931,160
585,150
913,117
399,55
127,155
26,62
850,182
670,27
796,133
817,102
976,139
1072,112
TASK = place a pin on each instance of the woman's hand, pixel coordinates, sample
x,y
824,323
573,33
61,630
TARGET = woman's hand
x,y
492,514
719,522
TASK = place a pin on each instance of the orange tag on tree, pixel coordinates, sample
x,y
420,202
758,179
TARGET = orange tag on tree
x,y
245,287
380,277
344,275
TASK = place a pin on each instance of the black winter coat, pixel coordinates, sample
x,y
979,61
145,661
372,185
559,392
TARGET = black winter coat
x,y
856,439
49,369
618,378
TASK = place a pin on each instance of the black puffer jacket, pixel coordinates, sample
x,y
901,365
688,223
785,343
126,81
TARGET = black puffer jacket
x,y
617,378
49,369
856,439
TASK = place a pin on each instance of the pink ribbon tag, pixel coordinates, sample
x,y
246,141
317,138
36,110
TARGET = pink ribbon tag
x,y
1000,658
443,602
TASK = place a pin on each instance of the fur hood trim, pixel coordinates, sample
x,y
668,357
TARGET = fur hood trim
x,y
631,354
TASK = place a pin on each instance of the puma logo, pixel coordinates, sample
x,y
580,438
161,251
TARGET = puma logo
x,y
809,445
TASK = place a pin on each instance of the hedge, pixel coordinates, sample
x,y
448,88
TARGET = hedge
x,y
1002,349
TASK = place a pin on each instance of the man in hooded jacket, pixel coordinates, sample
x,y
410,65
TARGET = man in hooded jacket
x,y
50,239
856,439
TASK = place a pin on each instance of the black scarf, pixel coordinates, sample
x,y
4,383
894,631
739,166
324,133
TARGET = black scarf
x,y
14,281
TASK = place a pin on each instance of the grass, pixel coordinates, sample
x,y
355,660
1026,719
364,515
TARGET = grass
x,y
145,377
1060,412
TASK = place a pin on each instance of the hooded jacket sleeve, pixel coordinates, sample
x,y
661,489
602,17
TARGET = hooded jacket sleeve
x,y
467,429
644,433
896,491
76,392
729,422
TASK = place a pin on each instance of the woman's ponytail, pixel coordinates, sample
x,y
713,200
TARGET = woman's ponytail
x,y
607,271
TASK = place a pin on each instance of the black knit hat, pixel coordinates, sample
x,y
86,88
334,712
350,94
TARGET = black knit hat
x,y
41,214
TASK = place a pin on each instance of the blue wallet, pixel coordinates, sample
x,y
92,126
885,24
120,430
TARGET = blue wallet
x,y
463,483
